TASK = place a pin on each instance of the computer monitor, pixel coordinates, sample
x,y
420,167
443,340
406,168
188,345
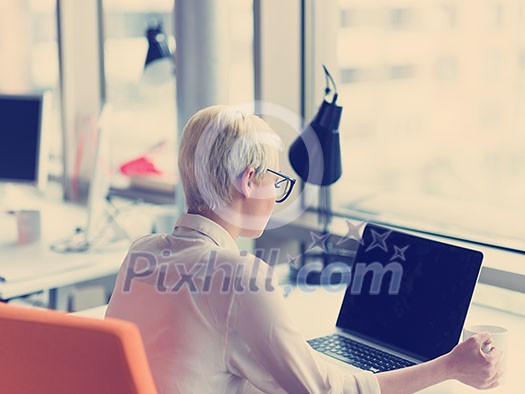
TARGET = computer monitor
x,y
22,153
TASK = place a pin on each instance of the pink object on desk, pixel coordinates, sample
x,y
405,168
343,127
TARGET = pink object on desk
x,y
140,166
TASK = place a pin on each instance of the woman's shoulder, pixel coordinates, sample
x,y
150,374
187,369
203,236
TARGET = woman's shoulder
x,y
148,241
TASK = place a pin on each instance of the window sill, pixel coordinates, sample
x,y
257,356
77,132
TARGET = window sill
x,y
501,268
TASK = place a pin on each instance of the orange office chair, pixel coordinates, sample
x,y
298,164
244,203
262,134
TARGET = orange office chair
x,y
48,352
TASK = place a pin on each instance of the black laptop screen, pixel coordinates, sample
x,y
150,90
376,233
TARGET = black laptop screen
x,y
409,293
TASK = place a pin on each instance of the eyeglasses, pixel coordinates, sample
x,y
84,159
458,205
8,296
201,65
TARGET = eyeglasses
x,y
283,186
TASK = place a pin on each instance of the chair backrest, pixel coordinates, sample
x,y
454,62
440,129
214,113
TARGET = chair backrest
x,y
43,351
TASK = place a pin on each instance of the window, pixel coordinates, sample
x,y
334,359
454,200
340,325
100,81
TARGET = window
x,y
348,18
29,49
435,140
349,75
446,68
403,71
449,16
496,15
241,33
144,119
142,130
399,18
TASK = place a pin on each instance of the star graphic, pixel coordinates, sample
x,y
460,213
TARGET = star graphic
x,y
399,253
353,232
294,262
379,240
318,241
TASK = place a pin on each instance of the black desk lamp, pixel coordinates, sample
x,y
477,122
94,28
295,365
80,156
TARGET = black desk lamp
x,y
159,65
316,157
316,153
157,43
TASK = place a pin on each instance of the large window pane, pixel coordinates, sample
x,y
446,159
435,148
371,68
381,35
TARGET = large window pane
x,y
433,127
241,72
143,120
29,60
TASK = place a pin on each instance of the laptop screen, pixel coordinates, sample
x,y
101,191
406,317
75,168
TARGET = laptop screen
x,y
409,293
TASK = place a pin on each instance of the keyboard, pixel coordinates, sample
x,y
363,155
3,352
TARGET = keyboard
x,y
358,354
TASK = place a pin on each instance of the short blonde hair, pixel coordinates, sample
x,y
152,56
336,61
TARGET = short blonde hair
x,y
218,144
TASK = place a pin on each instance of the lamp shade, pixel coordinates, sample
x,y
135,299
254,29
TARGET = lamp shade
x,y
159,67
316,154
157,44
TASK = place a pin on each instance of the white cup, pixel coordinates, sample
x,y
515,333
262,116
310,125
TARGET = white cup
x,y
500,339
29,224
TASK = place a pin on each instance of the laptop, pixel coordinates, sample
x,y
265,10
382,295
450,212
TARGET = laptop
x,y
406,301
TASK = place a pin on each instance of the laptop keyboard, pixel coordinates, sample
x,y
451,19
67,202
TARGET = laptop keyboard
x,y
358,354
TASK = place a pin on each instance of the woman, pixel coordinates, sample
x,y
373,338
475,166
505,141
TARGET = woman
x,y
209,320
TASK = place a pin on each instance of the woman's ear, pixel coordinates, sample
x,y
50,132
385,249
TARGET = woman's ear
x,y
247,185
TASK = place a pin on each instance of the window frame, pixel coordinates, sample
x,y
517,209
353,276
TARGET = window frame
x,y
318,33
81,59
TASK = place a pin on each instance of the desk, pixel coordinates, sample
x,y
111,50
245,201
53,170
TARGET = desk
x,y
35,268
56,272
315,314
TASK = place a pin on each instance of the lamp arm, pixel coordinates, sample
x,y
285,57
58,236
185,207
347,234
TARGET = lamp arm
x,y
329,80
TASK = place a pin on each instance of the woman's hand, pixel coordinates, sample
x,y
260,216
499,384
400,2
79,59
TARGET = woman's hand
x,y
476,362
